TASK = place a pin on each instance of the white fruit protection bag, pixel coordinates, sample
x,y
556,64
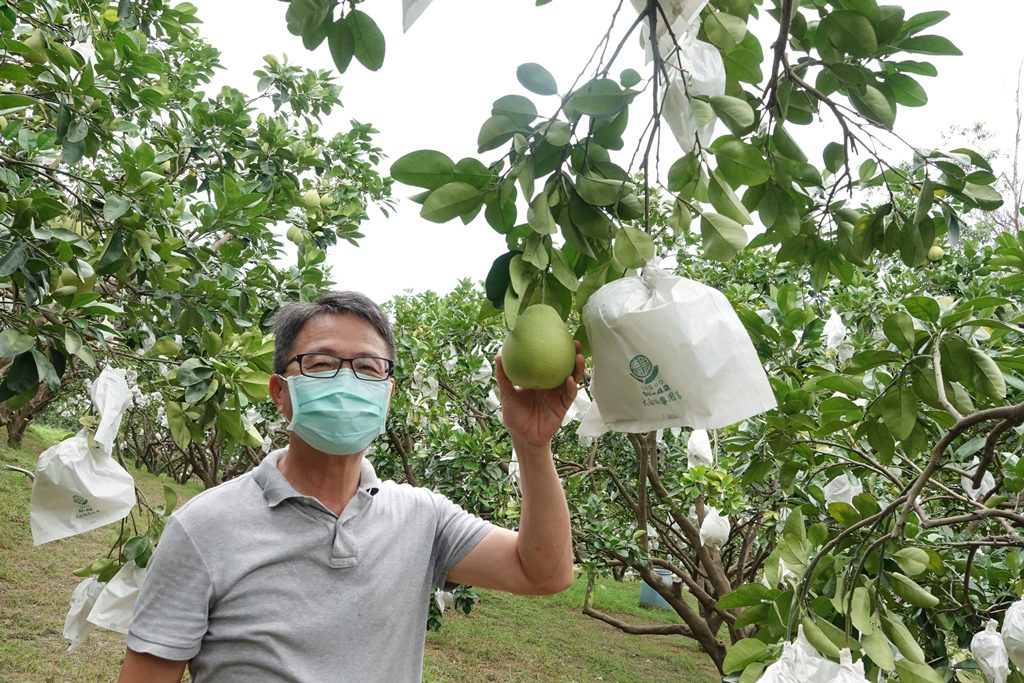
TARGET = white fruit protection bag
x,y
113,607
800,663
1013,633
669,352
842,489
714,530
78,485
411,11
698,449
76,624
990,653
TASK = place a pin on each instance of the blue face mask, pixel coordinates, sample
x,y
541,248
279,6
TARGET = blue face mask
x,y
341,415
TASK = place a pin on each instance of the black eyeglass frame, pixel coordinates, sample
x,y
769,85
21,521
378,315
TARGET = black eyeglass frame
x,y
390,366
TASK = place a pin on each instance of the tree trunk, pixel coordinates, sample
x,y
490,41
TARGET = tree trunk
x,y
16,426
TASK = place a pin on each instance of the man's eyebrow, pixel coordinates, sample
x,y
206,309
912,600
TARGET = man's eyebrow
x,y
359,354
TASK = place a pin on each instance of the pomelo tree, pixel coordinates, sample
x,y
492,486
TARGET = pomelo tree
x,y
142,219
926,378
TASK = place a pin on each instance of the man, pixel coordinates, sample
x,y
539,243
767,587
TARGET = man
x,y
311,569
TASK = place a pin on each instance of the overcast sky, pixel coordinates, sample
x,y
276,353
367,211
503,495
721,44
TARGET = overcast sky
x,y
440,78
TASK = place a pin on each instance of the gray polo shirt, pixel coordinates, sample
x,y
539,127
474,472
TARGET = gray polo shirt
x,y
253,582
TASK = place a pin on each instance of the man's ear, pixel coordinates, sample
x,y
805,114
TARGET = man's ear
x,y
278,388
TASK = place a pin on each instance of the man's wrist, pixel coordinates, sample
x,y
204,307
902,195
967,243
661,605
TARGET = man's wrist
x,y
530,451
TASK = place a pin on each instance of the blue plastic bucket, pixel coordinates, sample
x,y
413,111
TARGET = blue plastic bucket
x,y
652,598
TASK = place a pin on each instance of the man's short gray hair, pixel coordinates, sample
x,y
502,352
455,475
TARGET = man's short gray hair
x,y
291,318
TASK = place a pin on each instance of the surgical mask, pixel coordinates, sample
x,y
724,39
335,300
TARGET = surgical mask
x,y
339,415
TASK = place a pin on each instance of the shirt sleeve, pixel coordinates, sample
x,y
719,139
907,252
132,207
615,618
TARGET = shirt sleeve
x,y
457,533
171,614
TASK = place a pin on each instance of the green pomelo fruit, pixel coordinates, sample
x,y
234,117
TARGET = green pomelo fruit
x,y
311,200
935,252
38,50
539,352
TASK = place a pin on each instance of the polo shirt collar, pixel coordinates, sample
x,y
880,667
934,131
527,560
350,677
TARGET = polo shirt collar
x,y
276,488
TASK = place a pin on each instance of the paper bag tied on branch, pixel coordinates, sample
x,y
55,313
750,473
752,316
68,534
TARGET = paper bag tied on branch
x,y
78,485
669,352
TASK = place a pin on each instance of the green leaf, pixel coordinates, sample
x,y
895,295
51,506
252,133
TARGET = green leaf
x,y
14,343
906,90
922,308
747,595
177,424
473,172
497,281
518,109
451,201
724,31
915,672
45,370
114,207
986,196
558,133
256,385
850,32
165,346
876,646
563,271
860,613
723,237
367,39
725,201
536,79
601,191
929,45
899,329
424,168
913,561
342,45
898,406
632,247
170,500
682,172
538,215
744,652
741,163
495,131
835,156
304,16
872,104
135,548
599,98
988,378
844,513
736,113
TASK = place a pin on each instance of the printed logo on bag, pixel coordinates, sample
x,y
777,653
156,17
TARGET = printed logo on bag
x,y
655,391
84,509
642,369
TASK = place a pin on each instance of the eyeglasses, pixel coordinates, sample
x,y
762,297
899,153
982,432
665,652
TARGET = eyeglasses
x,y
326,366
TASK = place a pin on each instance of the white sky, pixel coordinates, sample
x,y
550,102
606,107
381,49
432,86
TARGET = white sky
x,y
440,78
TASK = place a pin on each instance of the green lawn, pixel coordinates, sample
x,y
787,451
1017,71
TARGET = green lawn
x,y
506,638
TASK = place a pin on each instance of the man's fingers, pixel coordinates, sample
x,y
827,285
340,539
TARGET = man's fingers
x,y
505,387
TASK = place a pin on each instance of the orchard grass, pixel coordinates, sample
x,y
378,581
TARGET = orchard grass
x,y
505,638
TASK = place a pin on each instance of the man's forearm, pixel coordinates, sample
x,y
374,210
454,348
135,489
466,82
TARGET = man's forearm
x,y
545,538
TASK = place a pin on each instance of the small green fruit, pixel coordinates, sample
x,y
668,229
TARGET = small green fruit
x,y
295,235
311,200
539,352
935,252
326,201
37,45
